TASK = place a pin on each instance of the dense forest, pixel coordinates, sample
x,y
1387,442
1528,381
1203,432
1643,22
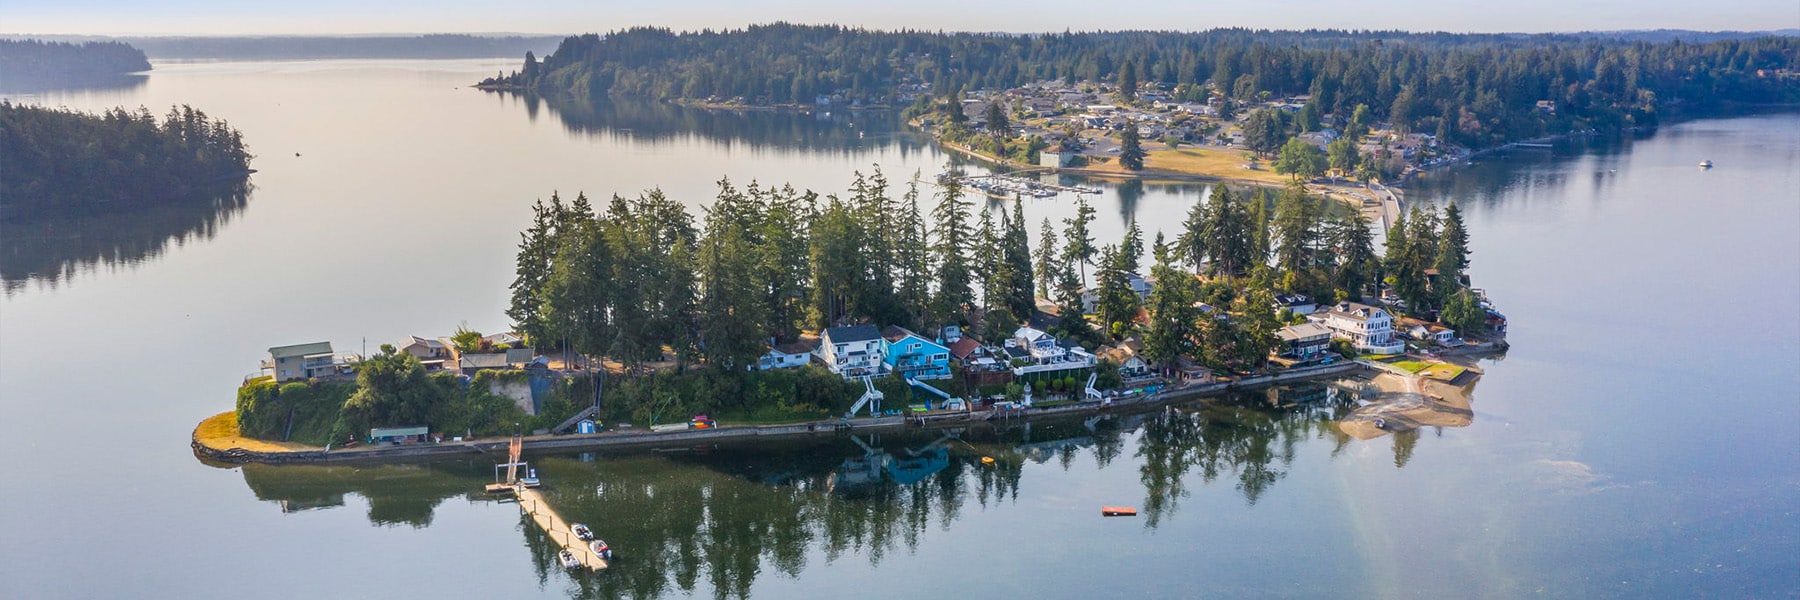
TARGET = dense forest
x,y
63,162
639,281
1475,89
27,64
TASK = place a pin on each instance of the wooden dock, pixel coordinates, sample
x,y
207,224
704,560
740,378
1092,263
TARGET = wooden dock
x,y
532,502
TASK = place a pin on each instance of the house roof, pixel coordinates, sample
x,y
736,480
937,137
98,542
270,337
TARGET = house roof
x,y
895,333
852,333
1293,300
1302,331
964,347
416,340
1030,334
1356,311
313,349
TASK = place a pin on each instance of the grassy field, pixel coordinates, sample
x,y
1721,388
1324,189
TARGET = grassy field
x,y
1438,371
1212,162
220,432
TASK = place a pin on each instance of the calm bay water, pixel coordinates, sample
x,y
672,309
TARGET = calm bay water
x,y
1638,441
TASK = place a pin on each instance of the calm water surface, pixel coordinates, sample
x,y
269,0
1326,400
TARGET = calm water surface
x,y
1638,441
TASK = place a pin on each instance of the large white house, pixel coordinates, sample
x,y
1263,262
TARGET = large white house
x,y
1035,351
1368,328
852,351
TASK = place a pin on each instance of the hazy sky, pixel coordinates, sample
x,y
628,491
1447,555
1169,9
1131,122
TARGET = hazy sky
x,y
224,17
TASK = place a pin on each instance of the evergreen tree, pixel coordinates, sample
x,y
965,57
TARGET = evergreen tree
x,y
950,252
1356,261
731,303
1131,149
1259,223
1047,265
1393,254
537,248
1128,81
1131,249
914,261
1018,258
991,268
1172,314
1116,304
997,124
1217,236
1079,247
1299,232
1452,258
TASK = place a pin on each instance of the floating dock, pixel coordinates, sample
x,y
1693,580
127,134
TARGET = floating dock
x,y
532,502
1006,186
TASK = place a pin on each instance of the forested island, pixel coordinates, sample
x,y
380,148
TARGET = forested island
x,y
675,315
58,162
38,59
1473,90
29,64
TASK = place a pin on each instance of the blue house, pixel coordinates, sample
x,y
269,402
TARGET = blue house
x,y
914,357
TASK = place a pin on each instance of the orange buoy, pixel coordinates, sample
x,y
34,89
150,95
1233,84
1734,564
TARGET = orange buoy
x,y
987,460
1117,511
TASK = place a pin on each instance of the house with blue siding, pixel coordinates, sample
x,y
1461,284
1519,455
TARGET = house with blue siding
x,y
914,357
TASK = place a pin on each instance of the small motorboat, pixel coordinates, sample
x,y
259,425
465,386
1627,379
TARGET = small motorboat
x,y
1117,511
568,560
582,532
601,549
1706,164
530,479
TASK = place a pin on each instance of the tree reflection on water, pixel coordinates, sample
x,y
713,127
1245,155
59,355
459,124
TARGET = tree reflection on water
x,y
719,517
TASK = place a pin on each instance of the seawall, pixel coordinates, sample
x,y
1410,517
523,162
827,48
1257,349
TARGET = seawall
x,y
643,440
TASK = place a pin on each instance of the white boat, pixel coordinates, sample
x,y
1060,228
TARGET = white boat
x,y
568,560
601,549
530,479
582,532
1706,164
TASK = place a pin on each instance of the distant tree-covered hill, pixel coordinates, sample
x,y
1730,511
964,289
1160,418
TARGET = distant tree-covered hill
x,y
433,46
1476,89
34,63
57,162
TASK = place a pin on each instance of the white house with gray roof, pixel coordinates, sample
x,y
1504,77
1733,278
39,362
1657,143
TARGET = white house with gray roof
x,y
852,351
1369,329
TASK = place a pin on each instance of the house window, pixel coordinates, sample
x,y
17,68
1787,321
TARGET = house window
x,y
940,357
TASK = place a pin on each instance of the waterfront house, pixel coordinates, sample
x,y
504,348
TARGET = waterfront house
x,y
1189,371
1032,350
1305,341
852,351
1132,367
913,356
1368,328
301,361
787,356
